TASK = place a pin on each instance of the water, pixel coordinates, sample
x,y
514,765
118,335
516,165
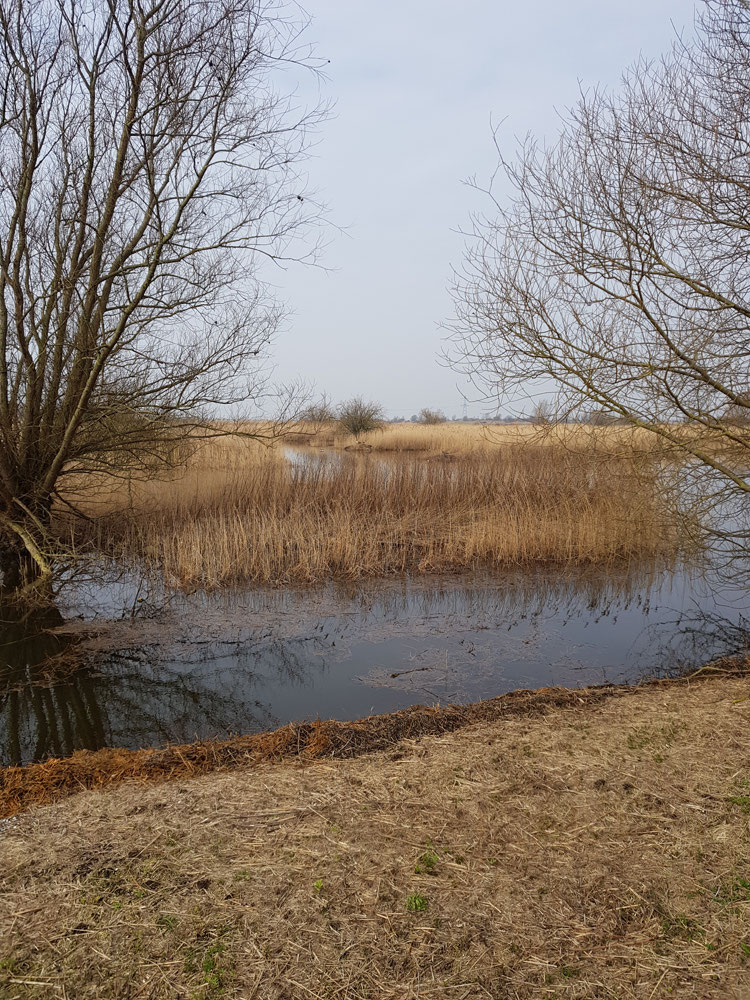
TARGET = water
x,y
173,669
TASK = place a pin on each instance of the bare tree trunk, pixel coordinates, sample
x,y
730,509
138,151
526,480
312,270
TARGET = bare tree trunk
x,y
17,568
24,545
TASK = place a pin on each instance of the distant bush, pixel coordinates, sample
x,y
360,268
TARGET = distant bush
x,y
604,418
431,417
319,412
357,416
544,413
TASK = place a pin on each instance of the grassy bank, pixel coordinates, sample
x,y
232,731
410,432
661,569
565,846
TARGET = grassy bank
x,y
235,511
595,849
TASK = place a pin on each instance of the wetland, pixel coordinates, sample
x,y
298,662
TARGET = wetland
x,y
253,587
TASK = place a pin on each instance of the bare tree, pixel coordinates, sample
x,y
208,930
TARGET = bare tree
x,y
147,166
544,413
620,269
428,416
320,412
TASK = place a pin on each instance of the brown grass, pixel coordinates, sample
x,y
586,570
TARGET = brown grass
x,y
469,438
35,784
598,850
459,439
238,512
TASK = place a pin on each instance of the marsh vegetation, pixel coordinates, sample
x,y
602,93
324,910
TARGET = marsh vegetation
x,y
275,574
406,499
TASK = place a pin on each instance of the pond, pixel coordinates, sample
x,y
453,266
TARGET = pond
x,y
156,668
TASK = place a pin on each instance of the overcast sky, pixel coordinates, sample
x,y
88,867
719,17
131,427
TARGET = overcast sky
x,y
416,85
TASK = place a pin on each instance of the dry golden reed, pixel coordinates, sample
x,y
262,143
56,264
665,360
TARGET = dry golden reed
x,y
462,439
238,512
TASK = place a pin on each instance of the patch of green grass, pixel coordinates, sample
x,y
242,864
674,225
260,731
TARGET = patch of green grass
x,y
318,885
638,739
565,971
210,964
166,921
215,976
734,890
416,902
743,801
661,736
426,863
679,925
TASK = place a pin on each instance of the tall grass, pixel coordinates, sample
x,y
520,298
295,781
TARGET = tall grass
x,y
461,439
233,516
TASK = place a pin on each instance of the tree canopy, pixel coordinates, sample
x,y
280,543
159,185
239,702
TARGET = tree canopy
x,y
147,165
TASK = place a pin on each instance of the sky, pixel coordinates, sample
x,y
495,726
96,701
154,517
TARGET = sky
x,y
416,87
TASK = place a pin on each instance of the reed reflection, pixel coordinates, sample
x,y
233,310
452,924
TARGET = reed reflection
x,y
246,661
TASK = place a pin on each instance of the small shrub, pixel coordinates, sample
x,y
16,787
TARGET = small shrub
x,y
426,864
357,416
431,417
319,412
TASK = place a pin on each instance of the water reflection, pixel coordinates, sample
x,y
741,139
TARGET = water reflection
x,y
208,666
49,706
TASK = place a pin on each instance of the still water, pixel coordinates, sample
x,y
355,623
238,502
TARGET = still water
x,y
155,668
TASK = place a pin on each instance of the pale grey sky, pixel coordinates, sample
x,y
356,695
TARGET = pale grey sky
x,y
416,85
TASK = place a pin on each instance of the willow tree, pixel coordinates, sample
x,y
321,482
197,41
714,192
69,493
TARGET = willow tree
x,y
618,269
147,166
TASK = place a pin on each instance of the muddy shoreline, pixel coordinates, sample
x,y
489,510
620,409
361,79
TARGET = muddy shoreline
x,y
40,783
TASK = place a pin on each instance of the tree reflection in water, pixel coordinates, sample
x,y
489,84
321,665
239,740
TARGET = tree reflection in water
x,y
56,698
346,650
41,718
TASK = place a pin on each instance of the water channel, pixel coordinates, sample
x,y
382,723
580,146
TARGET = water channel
x,y
150,668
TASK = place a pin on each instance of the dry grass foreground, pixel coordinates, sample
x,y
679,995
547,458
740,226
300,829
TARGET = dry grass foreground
x,y
600,850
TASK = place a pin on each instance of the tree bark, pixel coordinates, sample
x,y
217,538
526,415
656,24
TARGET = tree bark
x,y
17,568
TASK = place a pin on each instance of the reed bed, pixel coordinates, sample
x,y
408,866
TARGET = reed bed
x,y
238,513
465,439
